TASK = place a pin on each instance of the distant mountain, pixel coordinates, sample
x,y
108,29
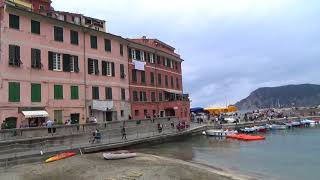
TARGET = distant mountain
x,y
282,96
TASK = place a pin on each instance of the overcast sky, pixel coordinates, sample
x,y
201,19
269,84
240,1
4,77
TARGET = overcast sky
x,y
230,47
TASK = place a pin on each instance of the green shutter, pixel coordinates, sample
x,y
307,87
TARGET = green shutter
x,y
58,33
35,27
58,92
134,75
143,77
74,92
35,92
14,92
108,93
107,45
151,77
74,37
93,41
14,21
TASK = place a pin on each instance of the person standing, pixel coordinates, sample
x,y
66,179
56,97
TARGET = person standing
x,y
49,125
123,132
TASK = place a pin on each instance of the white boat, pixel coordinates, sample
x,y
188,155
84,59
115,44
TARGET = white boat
x,y
278,127
113,155
248,130
219,132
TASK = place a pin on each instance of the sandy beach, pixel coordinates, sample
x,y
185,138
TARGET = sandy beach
x,y
94,167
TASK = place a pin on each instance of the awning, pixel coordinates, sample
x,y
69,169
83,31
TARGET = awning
x,y
173,91
35,114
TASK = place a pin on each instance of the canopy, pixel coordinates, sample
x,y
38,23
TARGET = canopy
x,y
35,114
196,109
220,110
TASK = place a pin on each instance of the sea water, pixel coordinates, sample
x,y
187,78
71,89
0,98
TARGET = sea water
x,y
292,154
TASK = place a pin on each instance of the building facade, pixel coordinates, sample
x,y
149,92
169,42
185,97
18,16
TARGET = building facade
x,y
156,80
59,69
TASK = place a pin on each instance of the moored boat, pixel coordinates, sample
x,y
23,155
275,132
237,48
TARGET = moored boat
x,y
248,130
246,137
219,132
278,127
113,155
60,156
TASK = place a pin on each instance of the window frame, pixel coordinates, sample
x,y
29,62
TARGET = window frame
x,y
93,42
57,62
58,92
74,92
57,36
74,37
95,93
107,45
37,25
12,24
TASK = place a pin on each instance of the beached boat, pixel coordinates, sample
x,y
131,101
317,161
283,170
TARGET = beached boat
x,y
60,156
246,137
219,132
113,155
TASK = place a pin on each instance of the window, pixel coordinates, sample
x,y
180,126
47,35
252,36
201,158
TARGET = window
x,y
176,65
121,49
151,77
94,42
108,93
14,21
58,33
123,94
41,7
158,60
172,82
143,96
138,55
108,68
152,57
134,75
14,92
122,73
166,80
35,92
93,66
136,112
122,113
74,37
143,77
36,58
135,96
142,56
35,27
74,92
160,96
14,55
95,93
55,61
159,80
153,96
58,116
58,92
74,64
177,83
133,54
107,45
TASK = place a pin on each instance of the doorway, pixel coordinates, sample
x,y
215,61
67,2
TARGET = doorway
x,y
75,118
108,115
10,123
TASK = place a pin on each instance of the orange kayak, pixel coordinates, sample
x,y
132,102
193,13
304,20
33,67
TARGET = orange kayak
x,y
246,137
60,156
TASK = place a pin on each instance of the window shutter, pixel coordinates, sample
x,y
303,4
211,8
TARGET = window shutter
x,y
129,53
17,56
113,69
154,58
90,66
148,58
35,92
11,54
76,64
66,62
145,56
96,66
50,60
33,58
138,55
122,75
104,68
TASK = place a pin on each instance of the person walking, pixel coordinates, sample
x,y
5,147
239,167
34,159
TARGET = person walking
x,y
123,132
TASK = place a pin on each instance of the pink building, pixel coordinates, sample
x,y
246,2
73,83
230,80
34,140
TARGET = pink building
x,y
62,66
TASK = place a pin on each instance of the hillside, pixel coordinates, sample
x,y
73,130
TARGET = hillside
x,y
284,96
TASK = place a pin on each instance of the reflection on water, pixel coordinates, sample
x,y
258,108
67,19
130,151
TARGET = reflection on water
x,y
286,154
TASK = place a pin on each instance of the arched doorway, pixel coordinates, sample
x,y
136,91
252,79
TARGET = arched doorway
x,y
9,123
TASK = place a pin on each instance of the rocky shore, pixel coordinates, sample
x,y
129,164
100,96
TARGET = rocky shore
x,y
94,167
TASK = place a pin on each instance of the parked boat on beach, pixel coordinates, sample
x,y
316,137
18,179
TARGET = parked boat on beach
x,y
219,132
113,155
60,156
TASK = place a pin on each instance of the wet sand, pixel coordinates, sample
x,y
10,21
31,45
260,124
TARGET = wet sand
x,y
94,167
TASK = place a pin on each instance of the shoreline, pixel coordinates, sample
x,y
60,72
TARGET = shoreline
x,y
144,166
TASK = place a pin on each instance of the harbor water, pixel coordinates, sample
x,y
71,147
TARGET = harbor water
x,y
292,154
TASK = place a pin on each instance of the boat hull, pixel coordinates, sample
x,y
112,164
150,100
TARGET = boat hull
x,y
119,155
60,156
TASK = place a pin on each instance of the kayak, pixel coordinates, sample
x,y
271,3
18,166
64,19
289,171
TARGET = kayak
x,y
61,156
246,137
113,155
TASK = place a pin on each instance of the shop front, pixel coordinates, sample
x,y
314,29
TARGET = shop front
x,y
35,118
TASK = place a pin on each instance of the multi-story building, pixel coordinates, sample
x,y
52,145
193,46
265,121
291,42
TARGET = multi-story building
x,y
59,65
156,80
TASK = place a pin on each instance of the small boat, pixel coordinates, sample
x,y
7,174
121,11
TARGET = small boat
x,y
278,127
261,129
113,155
246,137
219,132
295,123
248,130
60,156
